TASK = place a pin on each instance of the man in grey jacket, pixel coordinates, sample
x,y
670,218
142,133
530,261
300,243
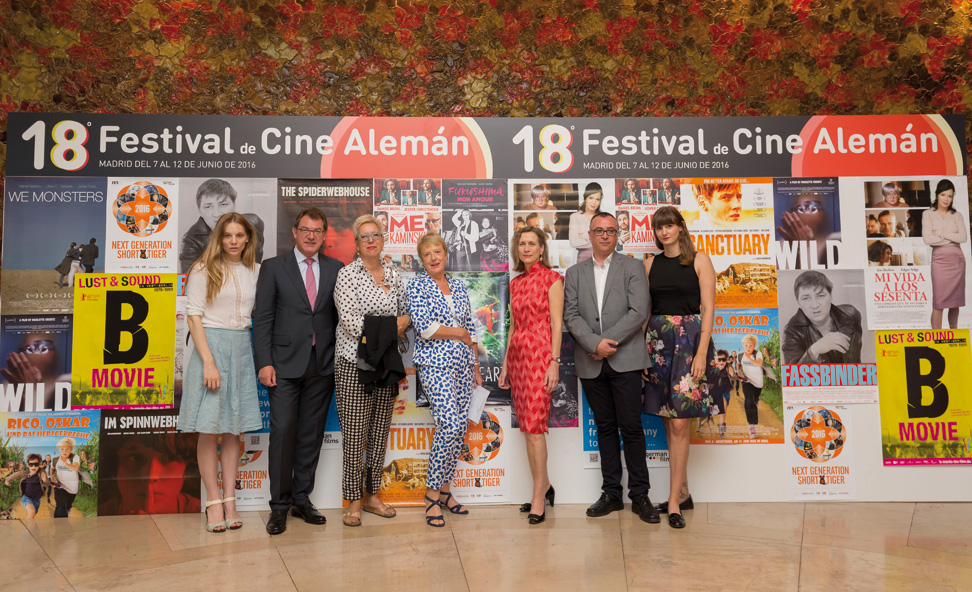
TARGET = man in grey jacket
x,y
606,304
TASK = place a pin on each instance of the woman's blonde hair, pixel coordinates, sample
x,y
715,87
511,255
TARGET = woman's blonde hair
x,y
515,243
670,215
431,238
212,258
361,221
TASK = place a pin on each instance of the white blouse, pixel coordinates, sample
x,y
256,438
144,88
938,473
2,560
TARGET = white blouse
x,y
232,308
357,294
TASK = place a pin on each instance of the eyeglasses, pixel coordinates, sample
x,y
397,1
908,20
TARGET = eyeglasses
x,y
314,231
33,464
40,346
373,236
808,207
605,231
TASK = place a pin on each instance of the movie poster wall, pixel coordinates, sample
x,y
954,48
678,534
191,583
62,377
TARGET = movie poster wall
x,y
819,255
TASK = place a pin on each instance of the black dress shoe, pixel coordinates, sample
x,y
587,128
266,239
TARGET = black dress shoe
x,y
641,505
686,504
675,520
605,505
537,518
277,523
309,513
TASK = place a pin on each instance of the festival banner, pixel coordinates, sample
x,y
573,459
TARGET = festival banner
x,y
342,201
58,440
354,147
37,354
147,465
820,454
926,409
807,217
123,354
205,200
656,446
828,355
481,473
914,257
409,441
729,422
731,220
637,201
141,225
53,229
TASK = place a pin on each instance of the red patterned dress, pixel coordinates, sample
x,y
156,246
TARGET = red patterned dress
x,y
528,356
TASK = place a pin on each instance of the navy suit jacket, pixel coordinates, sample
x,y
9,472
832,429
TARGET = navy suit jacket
x,y
284,324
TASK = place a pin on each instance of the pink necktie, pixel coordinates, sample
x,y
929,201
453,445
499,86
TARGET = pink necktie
x,y
311,285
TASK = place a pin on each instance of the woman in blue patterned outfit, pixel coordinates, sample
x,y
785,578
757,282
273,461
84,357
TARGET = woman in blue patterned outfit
x,y
447,368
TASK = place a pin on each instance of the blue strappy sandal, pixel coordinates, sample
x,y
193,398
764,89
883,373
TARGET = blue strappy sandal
x,y
456,509
434,521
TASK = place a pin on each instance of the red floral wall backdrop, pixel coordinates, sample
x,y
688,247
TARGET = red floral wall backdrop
x,y
495,57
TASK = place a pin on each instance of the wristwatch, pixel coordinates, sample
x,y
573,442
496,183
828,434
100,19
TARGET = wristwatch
x,y
557,359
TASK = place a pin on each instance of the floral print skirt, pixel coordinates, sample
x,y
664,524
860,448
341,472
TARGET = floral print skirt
x,y
669,389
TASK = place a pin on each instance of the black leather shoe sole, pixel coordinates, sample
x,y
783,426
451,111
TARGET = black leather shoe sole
x,y
676,521
598,509
309,518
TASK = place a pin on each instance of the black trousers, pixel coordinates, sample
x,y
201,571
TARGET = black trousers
x,y
751,402
298,410
63,502
615,399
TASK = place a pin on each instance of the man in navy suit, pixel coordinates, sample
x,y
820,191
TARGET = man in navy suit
x,y
293,340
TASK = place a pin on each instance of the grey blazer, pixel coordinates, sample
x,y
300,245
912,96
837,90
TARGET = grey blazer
x,y
623,313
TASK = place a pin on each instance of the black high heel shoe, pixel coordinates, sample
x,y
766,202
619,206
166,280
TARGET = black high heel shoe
x,y
548,498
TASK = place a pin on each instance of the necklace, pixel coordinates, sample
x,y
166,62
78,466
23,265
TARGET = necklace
x,y
382,283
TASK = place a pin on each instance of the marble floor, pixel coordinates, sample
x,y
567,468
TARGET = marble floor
x,y
760,546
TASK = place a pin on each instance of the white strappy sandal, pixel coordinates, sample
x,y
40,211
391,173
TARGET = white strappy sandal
x,y
212,526
235,523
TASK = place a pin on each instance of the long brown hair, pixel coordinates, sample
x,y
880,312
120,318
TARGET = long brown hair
x,y
212,258
670,215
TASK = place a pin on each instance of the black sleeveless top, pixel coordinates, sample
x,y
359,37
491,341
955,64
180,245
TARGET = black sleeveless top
x,y
674,287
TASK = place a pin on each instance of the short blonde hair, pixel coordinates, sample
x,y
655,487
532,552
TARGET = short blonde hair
x,y
429,239
69,441
362,220
515,243
750,338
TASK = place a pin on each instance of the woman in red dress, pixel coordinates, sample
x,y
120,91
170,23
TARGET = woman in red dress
x,y
532,363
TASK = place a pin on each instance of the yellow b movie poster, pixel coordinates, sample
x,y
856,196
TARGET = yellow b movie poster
x,y
926,410
124,331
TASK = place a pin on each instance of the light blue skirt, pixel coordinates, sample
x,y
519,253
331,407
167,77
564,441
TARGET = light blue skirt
x,y
235,407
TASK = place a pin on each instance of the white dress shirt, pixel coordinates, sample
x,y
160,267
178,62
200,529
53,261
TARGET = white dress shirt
x,y
600,279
